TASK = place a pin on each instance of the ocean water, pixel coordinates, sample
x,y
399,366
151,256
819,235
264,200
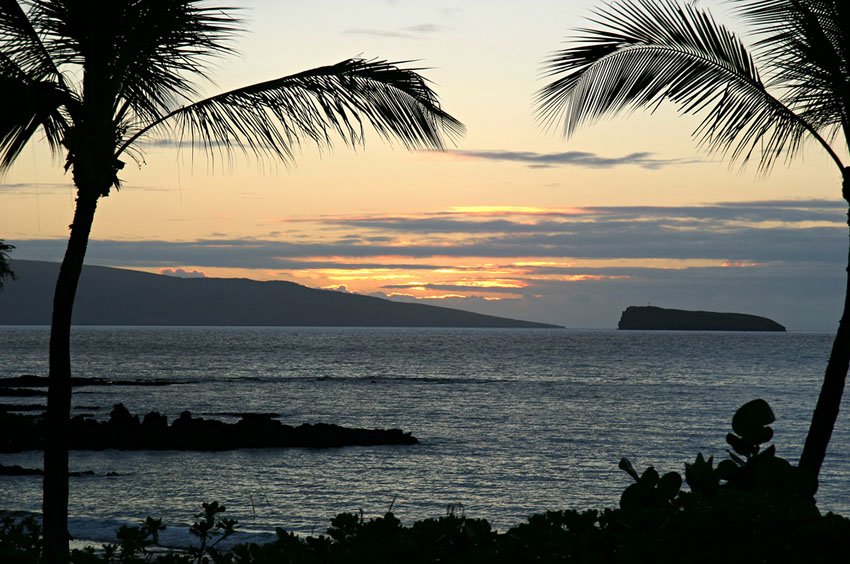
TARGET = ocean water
x,y
511,422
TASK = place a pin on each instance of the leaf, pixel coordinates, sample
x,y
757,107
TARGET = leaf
x,y
644,52
751,418
737,459
669,485
626,466
727,469
649,478
273,118
700,475
634,497
740,446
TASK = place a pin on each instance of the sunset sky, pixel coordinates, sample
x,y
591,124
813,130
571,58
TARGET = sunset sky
x,y
514,220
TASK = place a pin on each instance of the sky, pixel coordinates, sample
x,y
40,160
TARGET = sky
x,y
513,219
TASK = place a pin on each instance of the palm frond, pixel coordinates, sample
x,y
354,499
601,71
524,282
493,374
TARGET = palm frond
x,y
29,105
32,91
804,45
5,269
643,52
146,54
271,119
22,45
167,43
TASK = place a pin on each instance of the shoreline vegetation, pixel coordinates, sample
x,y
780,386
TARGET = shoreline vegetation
x,y
751,507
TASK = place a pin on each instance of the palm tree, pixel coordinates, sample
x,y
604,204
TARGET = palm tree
x,y
642,52
94,78
5,269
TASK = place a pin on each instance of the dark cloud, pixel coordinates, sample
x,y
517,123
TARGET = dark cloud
x,y
573,158
411,32
26,187
609,240
680,217
749,231
773,211
786,258
426,28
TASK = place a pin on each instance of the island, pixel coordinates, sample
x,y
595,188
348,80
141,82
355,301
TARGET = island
x,y
115,296
662,319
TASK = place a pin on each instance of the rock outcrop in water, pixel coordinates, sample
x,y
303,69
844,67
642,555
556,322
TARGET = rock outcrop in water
x,y
124,431
657,318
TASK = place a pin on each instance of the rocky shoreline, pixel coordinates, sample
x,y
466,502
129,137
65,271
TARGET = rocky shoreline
x,y
125,431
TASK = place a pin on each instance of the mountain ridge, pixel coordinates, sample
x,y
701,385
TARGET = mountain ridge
x,y
114,296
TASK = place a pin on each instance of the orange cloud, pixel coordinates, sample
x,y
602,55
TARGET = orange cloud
x,y
739,264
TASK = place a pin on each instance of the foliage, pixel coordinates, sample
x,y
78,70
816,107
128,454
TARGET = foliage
x,y
643,52
20,540
752,507
5,269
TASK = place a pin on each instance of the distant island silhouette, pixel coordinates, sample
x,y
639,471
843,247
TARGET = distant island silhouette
x,y
112,296
657,318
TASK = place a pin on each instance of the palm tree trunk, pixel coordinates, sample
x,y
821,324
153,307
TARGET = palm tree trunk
x,y
832,389
55,501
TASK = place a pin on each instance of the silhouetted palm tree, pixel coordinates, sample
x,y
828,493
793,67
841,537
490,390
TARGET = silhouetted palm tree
x,y
642,52
5,269
94,77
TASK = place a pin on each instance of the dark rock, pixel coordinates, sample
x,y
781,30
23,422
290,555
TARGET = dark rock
x,y
15,470
656,318
153,421
24,381
124,431
120,416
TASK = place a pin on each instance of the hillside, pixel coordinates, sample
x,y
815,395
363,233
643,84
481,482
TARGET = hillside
x,y
112,296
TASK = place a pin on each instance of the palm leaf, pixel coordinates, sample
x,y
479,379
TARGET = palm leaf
x,y
31,106
644,52
32,91
271,119
22,46
804,46
5,269
144,57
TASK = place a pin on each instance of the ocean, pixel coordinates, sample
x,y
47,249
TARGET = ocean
x,y
512,422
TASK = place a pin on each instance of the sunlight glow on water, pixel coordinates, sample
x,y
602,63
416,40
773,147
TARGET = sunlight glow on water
x,y
512,422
